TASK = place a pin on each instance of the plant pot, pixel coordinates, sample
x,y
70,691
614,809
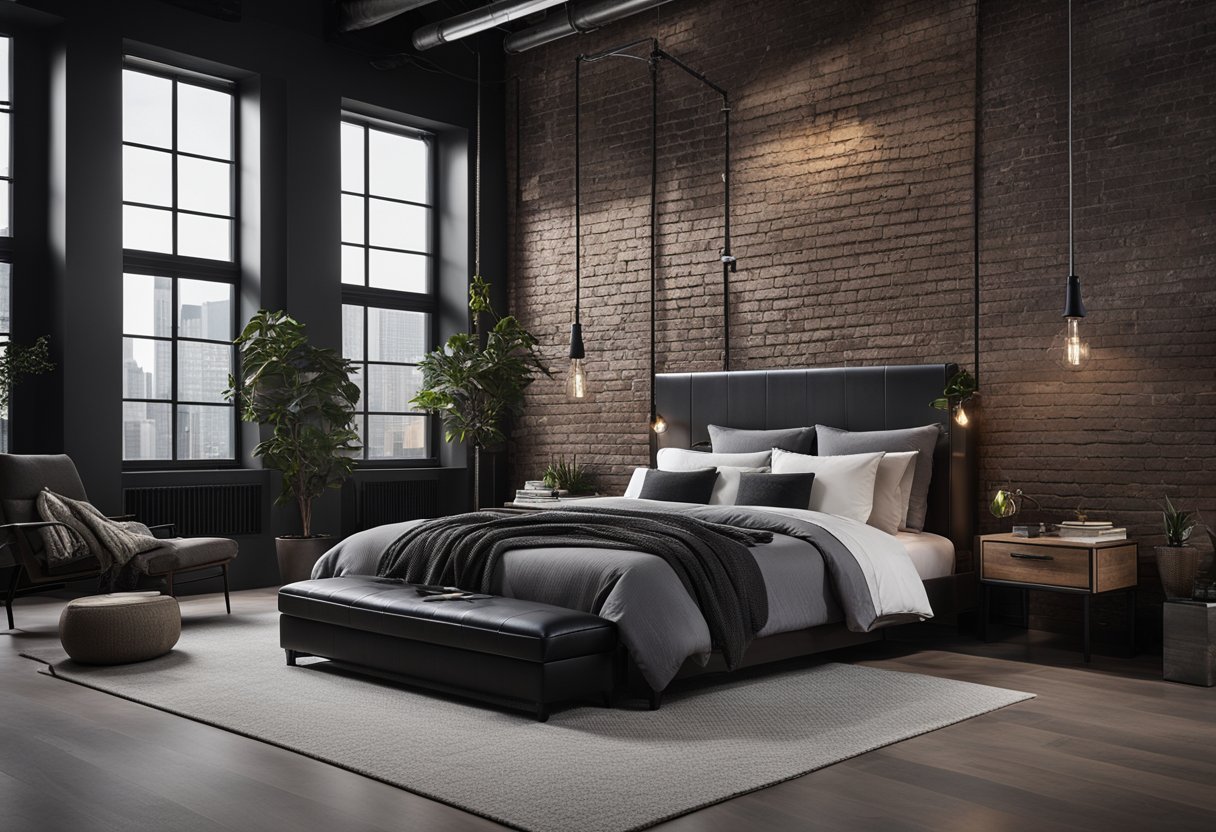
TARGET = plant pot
x,y
298,555
1178,567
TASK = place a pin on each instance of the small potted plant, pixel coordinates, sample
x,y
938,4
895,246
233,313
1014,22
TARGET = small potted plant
x,y
1177,562
305,395
576,480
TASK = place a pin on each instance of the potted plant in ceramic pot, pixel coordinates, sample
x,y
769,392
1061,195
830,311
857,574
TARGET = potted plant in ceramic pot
x,y
1177,562
305,395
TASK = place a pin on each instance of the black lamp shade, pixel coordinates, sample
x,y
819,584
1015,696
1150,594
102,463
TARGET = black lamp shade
x,y
1073,307
576,341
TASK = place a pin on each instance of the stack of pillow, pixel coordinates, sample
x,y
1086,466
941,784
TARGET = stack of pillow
x,y
877,477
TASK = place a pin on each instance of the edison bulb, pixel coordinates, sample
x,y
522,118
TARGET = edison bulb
x,y
1075,350
960,416
576,382
659,425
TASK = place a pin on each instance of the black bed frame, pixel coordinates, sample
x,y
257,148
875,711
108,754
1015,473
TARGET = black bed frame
x,y
851,398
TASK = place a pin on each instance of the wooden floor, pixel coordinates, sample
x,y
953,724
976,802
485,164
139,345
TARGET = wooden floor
x,y
1104,747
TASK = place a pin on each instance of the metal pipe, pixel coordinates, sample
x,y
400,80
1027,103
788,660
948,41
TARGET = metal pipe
x,y
360,14
478,20
580,17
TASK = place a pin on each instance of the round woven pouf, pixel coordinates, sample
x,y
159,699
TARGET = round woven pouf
x,y
120,628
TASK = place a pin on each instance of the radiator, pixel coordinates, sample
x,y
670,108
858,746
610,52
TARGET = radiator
x,y
396,501
199,510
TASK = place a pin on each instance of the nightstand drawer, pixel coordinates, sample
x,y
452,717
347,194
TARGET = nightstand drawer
x,y
1046,565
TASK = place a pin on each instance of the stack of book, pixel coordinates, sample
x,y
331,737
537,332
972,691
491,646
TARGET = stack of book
x,y
535,491
1091,531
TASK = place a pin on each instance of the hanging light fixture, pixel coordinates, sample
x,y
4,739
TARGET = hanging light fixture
x,y
576,381
1070,350
657,423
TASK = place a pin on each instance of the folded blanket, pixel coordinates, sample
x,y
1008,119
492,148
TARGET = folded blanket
x,y
711,560
113,543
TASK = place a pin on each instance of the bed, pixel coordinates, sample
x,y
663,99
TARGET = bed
x,y
831,581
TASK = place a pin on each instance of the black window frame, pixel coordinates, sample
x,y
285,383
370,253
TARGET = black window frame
x,y
7,241
367,297
178,267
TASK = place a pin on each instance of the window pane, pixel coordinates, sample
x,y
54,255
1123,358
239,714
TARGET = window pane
x,y
6,287
147,369
397,271
395,335
6,202
352,332
357,377
353,266
202,371
146,430
204,186
396,437
352,157
390,387
398,166
204,310
147,305
352,219
147,109
204,432
204,121
147,176
5,85
5,127
204,237
395,225
147,229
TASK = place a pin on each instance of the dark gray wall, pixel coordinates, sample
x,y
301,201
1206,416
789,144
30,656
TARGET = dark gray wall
x,y
292,80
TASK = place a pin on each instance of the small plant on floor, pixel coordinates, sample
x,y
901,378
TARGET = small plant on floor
x,y
570,476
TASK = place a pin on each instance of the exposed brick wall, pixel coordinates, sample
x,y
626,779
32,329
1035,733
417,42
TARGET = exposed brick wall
x,y
853,186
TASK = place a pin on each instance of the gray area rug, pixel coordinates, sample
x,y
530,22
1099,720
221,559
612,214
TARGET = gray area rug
x,y
587,770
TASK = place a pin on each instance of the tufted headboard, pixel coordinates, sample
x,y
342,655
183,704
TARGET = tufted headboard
x,y
852,398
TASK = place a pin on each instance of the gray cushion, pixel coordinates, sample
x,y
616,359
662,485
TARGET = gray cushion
x,y
777,490
834,442
680,486
739,441
185,553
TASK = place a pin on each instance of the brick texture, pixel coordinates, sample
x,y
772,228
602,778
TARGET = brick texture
x,y
853,187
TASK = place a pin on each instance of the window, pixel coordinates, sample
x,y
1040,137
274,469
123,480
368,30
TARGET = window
x,y
6,212
179,286
388,292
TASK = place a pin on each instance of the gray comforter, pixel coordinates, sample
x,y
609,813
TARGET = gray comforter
x,y
817,570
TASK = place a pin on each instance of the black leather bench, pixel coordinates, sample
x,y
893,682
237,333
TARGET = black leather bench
x,y
511,652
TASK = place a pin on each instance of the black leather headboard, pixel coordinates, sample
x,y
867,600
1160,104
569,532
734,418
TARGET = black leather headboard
x,y
852,398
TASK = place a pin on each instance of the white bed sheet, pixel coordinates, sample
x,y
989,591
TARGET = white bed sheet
x,y
931,554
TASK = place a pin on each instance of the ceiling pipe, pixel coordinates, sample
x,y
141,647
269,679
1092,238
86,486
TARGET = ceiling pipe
x,y
580,17
361,14
478,20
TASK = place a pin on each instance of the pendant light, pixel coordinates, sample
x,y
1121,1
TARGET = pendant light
x,y
1071,351
576,381
657,423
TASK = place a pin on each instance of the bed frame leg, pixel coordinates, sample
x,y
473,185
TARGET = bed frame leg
x,y
542,712
656,700
291,658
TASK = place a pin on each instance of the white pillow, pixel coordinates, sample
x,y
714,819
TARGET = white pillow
x,y
726,489
680,459
634,489
844,485
890,494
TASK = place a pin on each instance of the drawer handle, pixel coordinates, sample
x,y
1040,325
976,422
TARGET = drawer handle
x,y
1024,556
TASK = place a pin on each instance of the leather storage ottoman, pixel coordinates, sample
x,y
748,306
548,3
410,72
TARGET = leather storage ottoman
x,y
504,650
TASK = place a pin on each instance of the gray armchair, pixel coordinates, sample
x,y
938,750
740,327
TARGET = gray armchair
x,y
22,478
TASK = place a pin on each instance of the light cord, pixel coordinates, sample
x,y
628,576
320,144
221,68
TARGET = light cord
x,y
1072,259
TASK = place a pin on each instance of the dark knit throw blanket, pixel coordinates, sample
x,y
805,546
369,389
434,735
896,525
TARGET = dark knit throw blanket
x,y
711,560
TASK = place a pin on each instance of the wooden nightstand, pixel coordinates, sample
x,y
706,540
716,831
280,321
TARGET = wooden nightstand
x,y
1056,564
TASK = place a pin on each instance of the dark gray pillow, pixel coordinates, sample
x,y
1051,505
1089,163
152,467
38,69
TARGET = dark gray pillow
x,y
680,486
834,442
777,490
739,441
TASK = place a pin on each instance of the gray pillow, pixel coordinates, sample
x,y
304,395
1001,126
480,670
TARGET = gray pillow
x,y
680,486
776,490
834,442
739,441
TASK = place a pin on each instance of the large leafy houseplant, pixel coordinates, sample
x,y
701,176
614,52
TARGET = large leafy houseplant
x,y
305,395
18,361
474,383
